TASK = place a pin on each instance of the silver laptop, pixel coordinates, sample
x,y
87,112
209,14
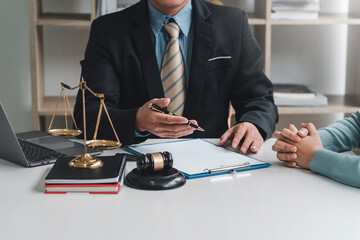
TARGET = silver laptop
x,y
34,148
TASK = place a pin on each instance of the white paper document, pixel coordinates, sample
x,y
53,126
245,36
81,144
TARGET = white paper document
x,y
197,156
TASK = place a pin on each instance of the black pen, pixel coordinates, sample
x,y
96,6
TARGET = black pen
x,y
159,109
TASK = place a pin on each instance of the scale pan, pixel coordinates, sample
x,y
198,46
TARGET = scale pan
x,y
65,132
100,144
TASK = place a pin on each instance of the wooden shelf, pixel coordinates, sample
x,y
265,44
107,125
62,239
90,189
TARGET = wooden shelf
x,y
336,104
48,104
255,19
44,105
59,19
324,19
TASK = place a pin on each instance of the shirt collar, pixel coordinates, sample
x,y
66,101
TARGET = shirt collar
x,y
182,18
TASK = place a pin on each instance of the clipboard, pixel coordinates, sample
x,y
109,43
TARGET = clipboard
x,y
197,157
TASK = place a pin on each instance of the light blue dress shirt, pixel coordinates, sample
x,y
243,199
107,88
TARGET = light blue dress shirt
x,y
183,18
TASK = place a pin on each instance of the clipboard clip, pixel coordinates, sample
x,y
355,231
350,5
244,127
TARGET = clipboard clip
x,y
230,169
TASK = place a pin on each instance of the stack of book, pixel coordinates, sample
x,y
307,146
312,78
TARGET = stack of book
x,y
295,9
297,95
106,179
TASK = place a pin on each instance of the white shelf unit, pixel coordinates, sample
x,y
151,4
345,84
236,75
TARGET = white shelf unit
x,y
259,19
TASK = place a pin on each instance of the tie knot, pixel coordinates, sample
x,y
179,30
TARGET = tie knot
x,y
173,29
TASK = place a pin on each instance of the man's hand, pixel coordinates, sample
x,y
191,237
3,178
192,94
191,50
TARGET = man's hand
x,y
160,124
246,131
295,151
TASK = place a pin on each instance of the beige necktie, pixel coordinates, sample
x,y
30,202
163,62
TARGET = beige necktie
x,y
173,71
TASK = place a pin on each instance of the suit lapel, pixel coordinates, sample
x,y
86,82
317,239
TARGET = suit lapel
x,y
142,37
201,50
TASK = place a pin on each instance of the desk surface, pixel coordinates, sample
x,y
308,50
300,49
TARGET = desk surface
x,y
270,203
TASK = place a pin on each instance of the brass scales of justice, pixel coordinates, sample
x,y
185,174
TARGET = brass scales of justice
x,y
85,160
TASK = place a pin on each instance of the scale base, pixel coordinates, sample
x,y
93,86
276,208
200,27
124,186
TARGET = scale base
x,y
86,161
163,180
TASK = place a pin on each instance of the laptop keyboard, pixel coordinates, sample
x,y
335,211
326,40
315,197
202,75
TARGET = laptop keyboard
x,y
35,153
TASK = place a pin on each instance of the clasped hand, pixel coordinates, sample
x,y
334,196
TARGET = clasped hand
x,y
296,148
168,126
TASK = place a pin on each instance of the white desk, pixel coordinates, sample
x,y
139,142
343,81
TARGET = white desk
x,y
270,203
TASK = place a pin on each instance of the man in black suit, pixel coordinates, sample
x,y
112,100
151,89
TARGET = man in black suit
x,y
224,64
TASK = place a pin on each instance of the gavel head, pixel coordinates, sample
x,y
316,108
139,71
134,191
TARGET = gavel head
x,y
154,162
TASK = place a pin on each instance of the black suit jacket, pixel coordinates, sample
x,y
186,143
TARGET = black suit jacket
x,y
120,62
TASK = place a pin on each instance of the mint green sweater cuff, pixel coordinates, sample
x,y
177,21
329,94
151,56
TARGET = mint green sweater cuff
x,y
321,162
343,168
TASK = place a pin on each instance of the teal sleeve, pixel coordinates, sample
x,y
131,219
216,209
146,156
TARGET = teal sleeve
x,y
344,135
340,167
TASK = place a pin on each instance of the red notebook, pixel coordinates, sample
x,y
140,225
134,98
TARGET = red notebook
x,y
90,188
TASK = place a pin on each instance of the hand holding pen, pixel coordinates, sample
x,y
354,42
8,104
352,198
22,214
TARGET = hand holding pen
x,y
159,109
162,125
